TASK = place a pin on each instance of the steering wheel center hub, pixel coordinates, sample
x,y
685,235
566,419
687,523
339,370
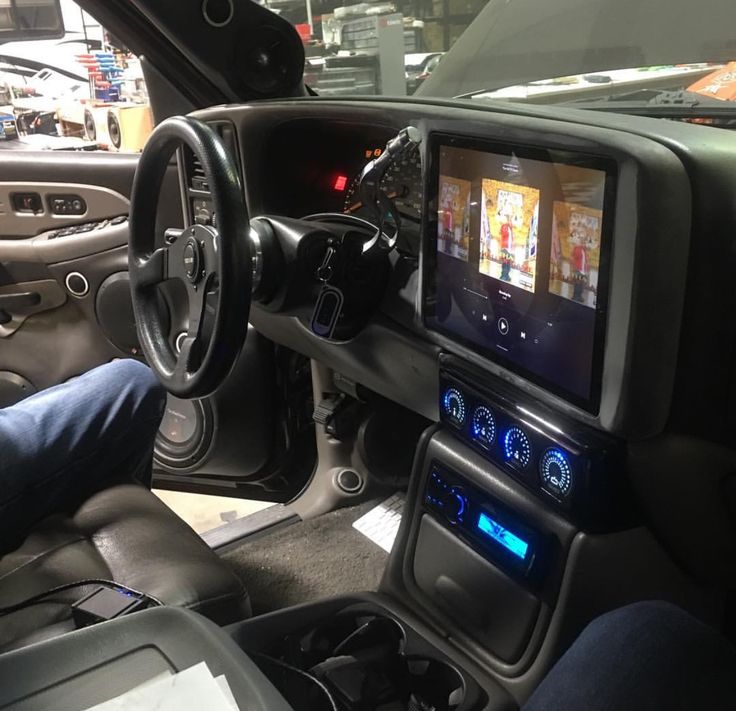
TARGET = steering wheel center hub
x,y
192,257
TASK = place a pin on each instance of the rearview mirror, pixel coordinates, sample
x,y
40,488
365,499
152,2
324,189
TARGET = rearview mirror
x,y
30,20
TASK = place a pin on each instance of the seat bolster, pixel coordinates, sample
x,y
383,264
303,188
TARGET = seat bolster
x,y
148,547
123,533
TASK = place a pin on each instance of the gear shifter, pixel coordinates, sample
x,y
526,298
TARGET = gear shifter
x,y
374,199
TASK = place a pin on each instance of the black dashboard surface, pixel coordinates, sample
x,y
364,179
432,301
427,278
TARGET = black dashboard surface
x,y
321,164
302,156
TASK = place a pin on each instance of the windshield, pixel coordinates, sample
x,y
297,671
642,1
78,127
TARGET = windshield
x,y
609,54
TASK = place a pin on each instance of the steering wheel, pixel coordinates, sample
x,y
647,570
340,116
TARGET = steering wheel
x,y
202,257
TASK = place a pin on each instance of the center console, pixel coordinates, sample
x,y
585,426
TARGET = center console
x,y
364,652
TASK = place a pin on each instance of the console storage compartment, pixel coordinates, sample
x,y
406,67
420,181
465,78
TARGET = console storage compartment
x,y
475,593
356,654
86,667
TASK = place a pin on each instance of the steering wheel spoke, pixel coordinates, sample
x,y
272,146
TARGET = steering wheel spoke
x,y
190,351
153,269
187,359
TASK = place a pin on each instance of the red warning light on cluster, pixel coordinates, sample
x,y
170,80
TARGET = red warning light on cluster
x,y
340,183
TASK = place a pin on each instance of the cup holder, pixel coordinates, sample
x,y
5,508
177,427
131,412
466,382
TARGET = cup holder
x,y
359,662
432,684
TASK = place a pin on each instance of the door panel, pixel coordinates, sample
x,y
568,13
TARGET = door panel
x,y
59,338
70,310
53,206
20,301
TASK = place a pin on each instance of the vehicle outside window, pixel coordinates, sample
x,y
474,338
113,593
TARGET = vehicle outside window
x,y
82,90
418,68
642,57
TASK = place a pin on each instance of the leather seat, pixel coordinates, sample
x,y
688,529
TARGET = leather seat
x,y
125,534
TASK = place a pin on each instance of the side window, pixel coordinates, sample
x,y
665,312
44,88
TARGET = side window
x,y
89,94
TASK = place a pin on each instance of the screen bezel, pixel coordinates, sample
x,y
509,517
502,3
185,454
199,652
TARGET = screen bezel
x,y
606,165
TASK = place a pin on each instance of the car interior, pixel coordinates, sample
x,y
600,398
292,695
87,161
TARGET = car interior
x,y
307,277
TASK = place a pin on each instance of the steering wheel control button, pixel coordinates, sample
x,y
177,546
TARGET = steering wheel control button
x,y
77,284
192,257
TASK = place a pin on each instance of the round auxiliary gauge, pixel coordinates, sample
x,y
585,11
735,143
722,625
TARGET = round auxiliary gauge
x,y
483,426
516,447
453,403
556,472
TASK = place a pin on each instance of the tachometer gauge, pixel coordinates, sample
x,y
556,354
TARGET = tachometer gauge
x,y
402,183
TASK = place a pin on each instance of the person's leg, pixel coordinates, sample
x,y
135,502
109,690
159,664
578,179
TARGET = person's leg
x,y
649,656
70,440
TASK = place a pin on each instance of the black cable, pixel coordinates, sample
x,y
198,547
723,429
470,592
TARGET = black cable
x,y
299,672
41,597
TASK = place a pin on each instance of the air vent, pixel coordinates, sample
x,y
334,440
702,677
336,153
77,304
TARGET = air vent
x,y
195,171
196,177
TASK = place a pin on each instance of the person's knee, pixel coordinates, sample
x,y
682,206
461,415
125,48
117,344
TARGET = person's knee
x,y
648,623
643,611
136,382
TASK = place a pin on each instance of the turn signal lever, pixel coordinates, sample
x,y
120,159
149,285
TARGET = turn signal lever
x,y
374,199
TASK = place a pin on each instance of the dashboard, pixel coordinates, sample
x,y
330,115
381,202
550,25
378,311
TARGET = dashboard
x,y
523,239
556,306
641,379
602,202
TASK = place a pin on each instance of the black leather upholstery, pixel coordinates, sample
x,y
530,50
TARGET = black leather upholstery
x,y
123,533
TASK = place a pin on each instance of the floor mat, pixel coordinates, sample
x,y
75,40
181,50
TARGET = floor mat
x,y
309,560
381,523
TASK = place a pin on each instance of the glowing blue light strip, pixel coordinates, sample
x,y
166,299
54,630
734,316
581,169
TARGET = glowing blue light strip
x,y
498,533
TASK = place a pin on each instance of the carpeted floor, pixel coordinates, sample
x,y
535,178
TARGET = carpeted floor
x,y
309,560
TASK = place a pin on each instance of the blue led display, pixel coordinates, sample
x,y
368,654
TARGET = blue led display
x,y
498,533
453,404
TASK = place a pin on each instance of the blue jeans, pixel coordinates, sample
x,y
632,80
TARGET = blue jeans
x,y
649,656
64,443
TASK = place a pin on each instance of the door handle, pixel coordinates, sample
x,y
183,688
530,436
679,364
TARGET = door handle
x,y
11,303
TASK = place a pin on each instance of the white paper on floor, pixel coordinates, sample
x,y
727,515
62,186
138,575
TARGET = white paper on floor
x,y
381,523
190,690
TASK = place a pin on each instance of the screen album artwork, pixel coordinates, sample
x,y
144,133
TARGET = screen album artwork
x,y
453,228
576,251
509,222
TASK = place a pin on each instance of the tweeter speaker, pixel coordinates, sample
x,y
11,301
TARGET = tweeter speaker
x,y
269,60
185,433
